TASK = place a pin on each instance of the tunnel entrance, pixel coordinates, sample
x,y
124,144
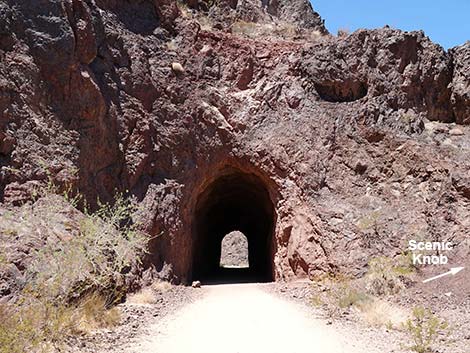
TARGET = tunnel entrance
x,y
236,201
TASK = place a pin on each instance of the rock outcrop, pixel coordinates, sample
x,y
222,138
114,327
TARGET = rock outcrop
x,y
349,136
460,83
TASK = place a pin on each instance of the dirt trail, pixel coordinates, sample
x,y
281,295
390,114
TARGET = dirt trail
x,y
244,318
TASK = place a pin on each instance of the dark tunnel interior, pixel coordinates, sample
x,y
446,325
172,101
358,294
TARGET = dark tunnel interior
x,y
235,201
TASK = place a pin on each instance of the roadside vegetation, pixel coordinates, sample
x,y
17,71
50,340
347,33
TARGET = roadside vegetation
x,y
74,268
425,330
369,299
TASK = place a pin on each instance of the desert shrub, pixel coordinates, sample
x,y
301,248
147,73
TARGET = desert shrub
x,y
245,28
36,324
281,30
143,296
424,329
107,245
94,312
33,325
74,276
349,296
385,276
343,32
336,293
378,312
369,221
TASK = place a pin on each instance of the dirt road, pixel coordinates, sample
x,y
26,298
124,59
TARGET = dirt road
x,y
245,318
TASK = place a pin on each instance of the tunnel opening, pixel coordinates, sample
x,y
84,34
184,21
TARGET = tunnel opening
x,y
235,201
234,253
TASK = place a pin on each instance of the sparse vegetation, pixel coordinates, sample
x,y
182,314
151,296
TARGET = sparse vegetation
x,y
94,312
148,295
369,221
380,313
282,30
343,32
36,324
161,286
424,329
385,276
144,296
336,293
76,274
105,245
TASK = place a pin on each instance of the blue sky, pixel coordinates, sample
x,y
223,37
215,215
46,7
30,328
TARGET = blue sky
x,y
445,22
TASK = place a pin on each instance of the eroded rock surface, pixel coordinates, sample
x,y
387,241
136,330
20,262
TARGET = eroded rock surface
x,y
350,135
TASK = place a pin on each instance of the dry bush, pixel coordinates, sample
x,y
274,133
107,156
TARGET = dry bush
x,y
343,32
313,35
148,295
184,10
161,286
106,245
206,23
94,312
38,325
283,30
250,29
378,312
144,296
34,325
171,45
75,270
369,221
337,294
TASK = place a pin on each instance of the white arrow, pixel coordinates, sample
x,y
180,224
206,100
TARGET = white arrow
x,y
453,271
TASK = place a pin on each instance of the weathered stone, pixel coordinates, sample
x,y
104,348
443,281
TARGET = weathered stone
x,y
177,68
327,140
461,83
456,132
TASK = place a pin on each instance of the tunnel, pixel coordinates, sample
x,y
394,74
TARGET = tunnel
x,y
235,201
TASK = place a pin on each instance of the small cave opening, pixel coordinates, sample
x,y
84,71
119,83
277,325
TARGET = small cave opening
x,y
233,231
347,90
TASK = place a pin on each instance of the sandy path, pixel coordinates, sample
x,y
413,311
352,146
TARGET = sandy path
x,y
244,318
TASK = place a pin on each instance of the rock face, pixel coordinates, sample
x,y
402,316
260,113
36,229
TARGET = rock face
x,y
336,148
460,84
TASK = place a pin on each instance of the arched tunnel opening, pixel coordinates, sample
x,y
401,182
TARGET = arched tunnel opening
x,y
236,201
234,253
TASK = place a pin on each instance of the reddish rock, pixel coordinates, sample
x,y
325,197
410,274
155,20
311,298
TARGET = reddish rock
x,y
461,83
167,11
7,143
82,25
326,144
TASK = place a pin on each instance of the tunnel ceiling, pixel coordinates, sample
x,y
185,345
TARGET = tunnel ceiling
x,y
234,201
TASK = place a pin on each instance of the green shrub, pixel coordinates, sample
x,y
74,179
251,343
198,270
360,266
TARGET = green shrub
x,y
424,329
385,275
349,296
369,221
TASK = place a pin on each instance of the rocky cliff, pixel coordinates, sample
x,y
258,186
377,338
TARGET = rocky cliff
x,y
239,115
